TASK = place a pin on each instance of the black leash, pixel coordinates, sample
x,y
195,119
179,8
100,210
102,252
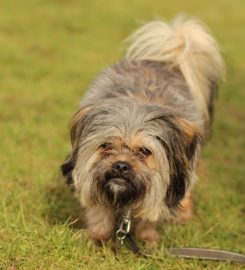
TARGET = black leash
x,y
123,236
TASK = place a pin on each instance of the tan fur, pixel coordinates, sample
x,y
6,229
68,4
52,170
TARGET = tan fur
x,y
151,162
100,223
188,127
75,120
146,231
132,145
186,208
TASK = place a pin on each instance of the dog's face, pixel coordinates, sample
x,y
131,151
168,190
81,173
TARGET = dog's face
x,y
130,154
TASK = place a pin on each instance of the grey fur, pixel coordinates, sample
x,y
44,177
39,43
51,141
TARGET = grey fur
x,y
131,99
157,82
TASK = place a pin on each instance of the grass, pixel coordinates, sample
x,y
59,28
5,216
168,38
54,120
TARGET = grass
x,y
49,52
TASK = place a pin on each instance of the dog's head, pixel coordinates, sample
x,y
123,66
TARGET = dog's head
x,y
130,154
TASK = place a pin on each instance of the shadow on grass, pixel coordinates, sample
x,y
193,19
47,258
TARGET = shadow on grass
x,y
62,206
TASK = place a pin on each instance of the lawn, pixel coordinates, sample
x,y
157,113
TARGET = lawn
x,y
49,53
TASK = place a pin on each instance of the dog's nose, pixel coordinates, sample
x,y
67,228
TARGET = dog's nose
x,y
122,166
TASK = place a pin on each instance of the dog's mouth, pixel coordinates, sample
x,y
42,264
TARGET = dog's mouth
x,y
118,179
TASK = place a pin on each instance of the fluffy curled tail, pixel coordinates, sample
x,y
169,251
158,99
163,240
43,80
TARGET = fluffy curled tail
x,y
186,44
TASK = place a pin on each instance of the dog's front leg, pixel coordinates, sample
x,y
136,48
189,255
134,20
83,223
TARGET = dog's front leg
x,y
146,231
100,223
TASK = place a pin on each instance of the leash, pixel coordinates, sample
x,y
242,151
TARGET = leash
x,y
123,236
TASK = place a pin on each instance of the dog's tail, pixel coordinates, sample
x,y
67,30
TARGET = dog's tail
x,y
188,45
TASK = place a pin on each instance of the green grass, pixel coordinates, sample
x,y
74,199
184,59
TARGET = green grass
x,y
49,52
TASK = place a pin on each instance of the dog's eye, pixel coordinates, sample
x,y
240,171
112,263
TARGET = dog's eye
x,y
106,146
144,151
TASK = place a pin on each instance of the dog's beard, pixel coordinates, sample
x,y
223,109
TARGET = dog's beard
x,y
120,190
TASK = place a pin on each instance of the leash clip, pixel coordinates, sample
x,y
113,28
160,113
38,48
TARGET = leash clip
x,y
124,228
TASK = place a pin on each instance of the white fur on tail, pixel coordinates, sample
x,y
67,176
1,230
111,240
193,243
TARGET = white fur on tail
x,y
187,44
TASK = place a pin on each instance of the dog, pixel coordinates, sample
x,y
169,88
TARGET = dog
x,y
140,129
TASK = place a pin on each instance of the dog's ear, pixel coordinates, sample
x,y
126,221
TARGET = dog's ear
x,y
78,122
191,135
67,168
181,150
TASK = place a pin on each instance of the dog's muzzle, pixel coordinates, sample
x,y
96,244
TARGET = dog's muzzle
x,y
121,173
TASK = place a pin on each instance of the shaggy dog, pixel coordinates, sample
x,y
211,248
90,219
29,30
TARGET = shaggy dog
x,y
140,128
